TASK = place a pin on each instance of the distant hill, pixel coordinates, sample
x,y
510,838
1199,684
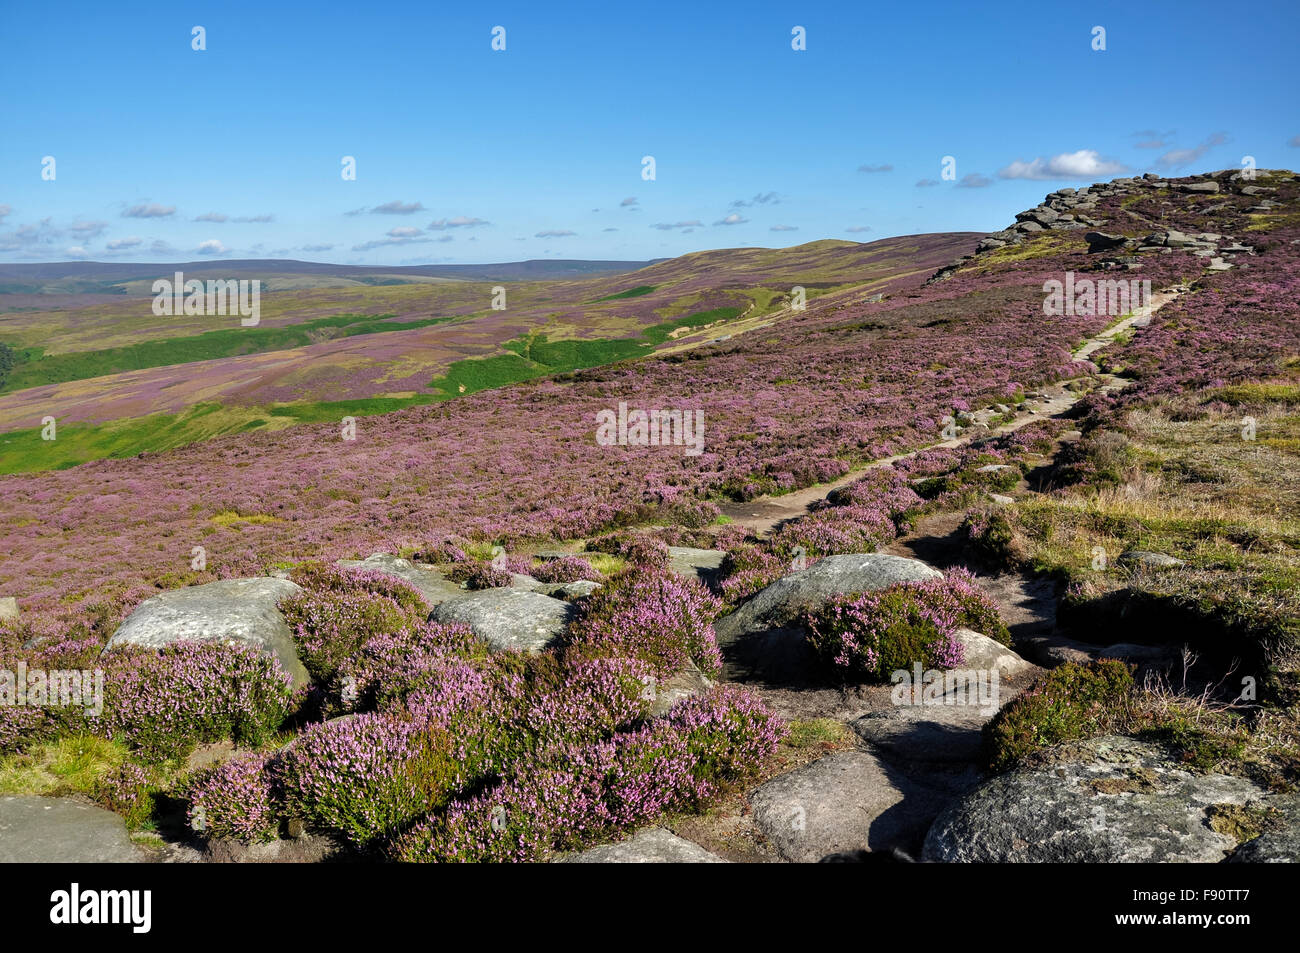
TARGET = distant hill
x,y
65,277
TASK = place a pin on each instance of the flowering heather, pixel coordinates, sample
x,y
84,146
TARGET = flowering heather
x,y
748,568
566,569
655,616
389,665
321,577
854,528
163,704
481,575
590,792
365,775
127,790
234,799
637,548
872,634
594,698
330,627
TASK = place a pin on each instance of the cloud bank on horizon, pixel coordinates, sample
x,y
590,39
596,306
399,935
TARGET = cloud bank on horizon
x,y
309,136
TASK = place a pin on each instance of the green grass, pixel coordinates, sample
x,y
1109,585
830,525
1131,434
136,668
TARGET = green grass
x,y
23,451
636,292
34,368
70,765
538,356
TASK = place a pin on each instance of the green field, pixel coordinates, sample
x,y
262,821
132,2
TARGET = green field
x,y
32,368
536,356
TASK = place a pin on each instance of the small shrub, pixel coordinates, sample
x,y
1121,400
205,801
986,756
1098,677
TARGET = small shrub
x,y
655,616
127,790
1070,703
330,626
567,569
234,799
164,704
366,776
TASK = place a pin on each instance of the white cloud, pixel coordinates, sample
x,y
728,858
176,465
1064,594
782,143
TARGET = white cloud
x,y
118,244
1084,164
397,207
1180,157
212,247
460,221
733,219
149,210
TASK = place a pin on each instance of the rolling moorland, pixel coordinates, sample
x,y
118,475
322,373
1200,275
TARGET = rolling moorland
x,y
473,633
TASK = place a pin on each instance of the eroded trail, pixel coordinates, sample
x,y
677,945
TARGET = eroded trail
x,y
764,514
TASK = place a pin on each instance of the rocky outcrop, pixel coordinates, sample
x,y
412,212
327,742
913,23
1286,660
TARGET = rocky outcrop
x,y
1070,209
59,830
508,618
230,610
1108,800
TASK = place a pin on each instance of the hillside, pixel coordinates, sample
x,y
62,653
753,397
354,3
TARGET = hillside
x,y
1080,524
320,354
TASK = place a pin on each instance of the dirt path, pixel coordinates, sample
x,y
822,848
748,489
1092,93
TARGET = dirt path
x,y
764,514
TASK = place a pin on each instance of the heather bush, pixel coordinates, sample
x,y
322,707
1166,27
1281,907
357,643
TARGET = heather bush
x,y
637,548
566,569
235,799
163,704
1069,703
655,616
127,790
389,666
729,734
586,699
321,577
747,569
870,635
330,626
584,793
365,776
481,575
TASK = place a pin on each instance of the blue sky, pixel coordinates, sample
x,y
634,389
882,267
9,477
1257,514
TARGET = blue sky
x,y
465,154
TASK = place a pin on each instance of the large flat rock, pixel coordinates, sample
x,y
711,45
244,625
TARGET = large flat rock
x,y
508,618
843,803
1107,800
230,610
57,830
